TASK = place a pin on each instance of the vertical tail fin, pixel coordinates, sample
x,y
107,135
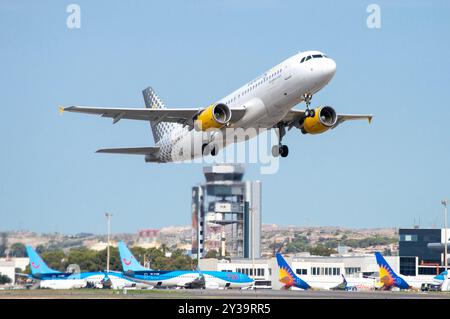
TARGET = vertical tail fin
x,y
287,276
385,268
152,101
387,276
37,265
344,280
442,276
129,263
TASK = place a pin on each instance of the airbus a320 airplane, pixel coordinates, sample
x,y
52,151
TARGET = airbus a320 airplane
x,y
264,103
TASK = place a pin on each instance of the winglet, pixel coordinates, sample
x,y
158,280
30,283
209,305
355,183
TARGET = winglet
x,y
61,109
370,119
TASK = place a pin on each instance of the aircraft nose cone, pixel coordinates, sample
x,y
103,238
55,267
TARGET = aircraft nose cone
x,y
329,69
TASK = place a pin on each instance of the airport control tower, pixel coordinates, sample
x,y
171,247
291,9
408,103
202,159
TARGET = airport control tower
x,y
226,214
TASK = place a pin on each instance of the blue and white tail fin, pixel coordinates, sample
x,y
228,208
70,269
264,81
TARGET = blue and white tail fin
x,y
287,276
37,265
129,263
152,101
441,277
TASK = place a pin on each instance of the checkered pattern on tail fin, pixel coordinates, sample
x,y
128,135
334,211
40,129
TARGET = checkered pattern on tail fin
x,y
152,101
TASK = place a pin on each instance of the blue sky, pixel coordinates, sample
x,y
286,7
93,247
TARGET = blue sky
x,y
193,53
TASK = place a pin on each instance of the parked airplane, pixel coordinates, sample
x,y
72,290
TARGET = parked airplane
x,y
287,276
53,279
180,278
291,280
264,103
345,286
441,281
389,279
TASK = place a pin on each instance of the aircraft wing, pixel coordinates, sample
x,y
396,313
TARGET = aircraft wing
x,y
131,150
294,116
176,115
351,117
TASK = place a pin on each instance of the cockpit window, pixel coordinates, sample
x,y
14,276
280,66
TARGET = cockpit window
x,y
314,56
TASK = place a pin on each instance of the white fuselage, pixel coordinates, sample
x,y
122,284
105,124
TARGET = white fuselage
x,y
182,278
116,281
266,99
328,282
96,279
62,283
417,281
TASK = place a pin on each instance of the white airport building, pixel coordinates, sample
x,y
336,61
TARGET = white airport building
x,y
265,271
9,265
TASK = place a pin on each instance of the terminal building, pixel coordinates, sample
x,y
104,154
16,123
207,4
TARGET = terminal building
x,y
266,275
9,265
226,214
421,251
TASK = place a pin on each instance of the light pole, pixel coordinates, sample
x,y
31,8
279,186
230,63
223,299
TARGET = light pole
x,y
108,218
253,243
445,203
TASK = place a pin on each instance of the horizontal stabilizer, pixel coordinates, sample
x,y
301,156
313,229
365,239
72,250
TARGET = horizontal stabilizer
x,y
131,150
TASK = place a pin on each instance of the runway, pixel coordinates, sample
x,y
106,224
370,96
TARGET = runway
x,y
215,294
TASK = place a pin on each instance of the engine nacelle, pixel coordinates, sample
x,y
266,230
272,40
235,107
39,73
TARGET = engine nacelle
x,y
214,116
324,118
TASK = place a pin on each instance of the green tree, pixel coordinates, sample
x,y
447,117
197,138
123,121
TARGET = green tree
x,y
211,254
162,263
298,244
146,255
114,259
140,254
181,262
86,259
180,252
321,250
4,279
40,249
164,248
55,259
17,250
3,243
27,269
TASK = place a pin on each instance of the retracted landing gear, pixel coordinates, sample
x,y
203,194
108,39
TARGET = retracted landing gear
x,y
308,112
280,149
